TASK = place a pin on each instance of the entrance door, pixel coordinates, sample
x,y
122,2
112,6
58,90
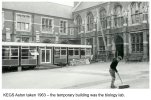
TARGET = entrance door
x,y
45,55
119,46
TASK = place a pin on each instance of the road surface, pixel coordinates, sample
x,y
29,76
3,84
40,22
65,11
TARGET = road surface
x,y
93,76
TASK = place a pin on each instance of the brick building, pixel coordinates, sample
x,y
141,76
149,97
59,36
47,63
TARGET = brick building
x,y
112,28
37,22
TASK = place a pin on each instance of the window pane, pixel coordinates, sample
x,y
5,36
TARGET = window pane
x,y
137,47
63,52
57,52
5,53
133,47
19,26
76,52
82,52
25,53
43,55
141,47
27,26
47,55
71,52
137,42
23,22
14,52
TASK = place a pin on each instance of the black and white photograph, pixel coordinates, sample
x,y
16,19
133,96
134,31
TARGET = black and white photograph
x,y
86,45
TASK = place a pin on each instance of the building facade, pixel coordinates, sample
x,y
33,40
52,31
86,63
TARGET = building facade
x,y
37,22
112,28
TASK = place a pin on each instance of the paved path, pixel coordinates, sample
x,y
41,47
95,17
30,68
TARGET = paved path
x,y
93,76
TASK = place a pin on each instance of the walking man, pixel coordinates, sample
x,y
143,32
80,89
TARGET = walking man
x,y
113,69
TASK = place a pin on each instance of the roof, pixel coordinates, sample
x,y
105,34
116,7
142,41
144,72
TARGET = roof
x,y
44,44
85,5
45,8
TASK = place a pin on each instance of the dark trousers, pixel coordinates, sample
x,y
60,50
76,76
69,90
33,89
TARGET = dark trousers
x,y
112,73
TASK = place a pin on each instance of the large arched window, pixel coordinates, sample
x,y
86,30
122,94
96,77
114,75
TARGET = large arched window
x,y
79,23
90,21
103,20
118,18
136,12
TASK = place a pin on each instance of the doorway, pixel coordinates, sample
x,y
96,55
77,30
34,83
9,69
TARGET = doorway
x,y
45,55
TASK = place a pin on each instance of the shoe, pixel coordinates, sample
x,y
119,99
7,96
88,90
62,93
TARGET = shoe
x,y
113,87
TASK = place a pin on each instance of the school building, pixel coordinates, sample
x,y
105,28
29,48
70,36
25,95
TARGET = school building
x,y
112,28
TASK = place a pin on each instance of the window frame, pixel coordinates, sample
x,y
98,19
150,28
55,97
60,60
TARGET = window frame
x,y
23,14
10,48
118,18
137,42
52,25
137,17
103,18
61,28
90,22
79,24
30,56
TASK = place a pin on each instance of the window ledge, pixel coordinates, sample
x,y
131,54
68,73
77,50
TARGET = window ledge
x,y
23,30
45,32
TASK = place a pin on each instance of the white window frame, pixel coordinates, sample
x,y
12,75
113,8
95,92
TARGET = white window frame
x,y
66,27
50,32
45,49
29,22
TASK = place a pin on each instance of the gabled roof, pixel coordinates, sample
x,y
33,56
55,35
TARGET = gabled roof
x,y
85,5
45,8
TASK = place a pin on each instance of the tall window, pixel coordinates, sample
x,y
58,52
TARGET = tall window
x,y
137,42
63,27
46,25
23,22
103,19
79,23
90,21
118,18
101,45
136,12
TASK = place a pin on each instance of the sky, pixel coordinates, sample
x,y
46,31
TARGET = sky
x,y
63,2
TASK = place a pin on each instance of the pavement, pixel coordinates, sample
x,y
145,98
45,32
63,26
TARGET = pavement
x,y
93,76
